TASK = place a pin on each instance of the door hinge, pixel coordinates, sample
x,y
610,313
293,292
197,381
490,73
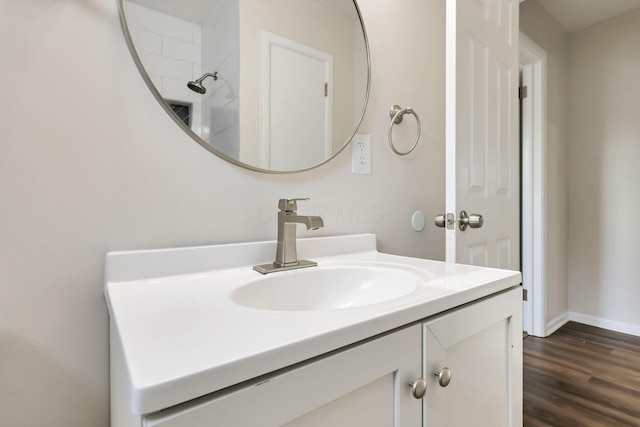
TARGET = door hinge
x,y
522,92
524,295
326,89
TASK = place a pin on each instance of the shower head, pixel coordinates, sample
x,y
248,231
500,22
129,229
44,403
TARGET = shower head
x,y
197,86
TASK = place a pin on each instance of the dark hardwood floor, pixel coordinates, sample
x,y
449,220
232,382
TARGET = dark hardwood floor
x,y
582,376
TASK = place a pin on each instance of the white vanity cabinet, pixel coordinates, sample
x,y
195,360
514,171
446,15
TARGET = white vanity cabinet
x,y
369,384
366,385
187,351
481,346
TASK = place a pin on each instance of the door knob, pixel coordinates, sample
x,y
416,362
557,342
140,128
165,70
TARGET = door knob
x,y
473,221
444,376
418,388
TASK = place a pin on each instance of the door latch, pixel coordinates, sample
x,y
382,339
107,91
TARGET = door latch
x,y
446,220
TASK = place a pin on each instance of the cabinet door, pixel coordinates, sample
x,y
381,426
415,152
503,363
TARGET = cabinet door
x,y
366,385
481,345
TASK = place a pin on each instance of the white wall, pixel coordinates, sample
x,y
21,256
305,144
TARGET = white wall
x,y
604,119
90,163
542,28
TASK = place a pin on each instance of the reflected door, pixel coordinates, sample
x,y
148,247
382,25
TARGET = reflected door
x,y
298,105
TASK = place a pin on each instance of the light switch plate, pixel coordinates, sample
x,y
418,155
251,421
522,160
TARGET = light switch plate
x,y
361,154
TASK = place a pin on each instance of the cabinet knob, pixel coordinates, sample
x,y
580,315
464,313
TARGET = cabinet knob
x,y
418,388
444,376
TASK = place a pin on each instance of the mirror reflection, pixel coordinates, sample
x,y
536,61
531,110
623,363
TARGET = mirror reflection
x,y
273,85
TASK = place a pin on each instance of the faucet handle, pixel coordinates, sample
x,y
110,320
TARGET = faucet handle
x,y
289,205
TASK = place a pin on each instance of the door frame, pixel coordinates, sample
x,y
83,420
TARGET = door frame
x,y
268,40
533,60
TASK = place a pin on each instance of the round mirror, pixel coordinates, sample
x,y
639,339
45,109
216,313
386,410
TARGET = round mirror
x,y
271,85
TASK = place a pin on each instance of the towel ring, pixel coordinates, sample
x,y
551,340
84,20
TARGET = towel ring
x,y
396,118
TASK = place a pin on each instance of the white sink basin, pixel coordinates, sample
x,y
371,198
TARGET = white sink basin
x,y
329,287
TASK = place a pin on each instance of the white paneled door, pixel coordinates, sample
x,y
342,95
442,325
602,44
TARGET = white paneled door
x,y
482,154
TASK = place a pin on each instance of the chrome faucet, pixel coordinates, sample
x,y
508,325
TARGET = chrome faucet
x,y
286,252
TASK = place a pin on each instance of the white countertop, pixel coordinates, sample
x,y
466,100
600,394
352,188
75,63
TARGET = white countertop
x,y
183,337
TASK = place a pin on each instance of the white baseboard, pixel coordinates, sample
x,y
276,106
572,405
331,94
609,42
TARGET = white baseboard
x,y
614,325
556,323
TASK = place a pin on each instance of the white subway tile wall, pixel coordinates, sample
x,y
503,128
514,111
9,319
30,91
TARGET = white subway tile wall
x,y
146,40
176,90
171,51
221,36
159,23
175,51
167,67
184,51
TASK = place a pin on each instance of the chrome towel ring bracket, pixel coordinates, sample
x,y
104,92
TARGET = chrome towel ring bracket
x,y
396,114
